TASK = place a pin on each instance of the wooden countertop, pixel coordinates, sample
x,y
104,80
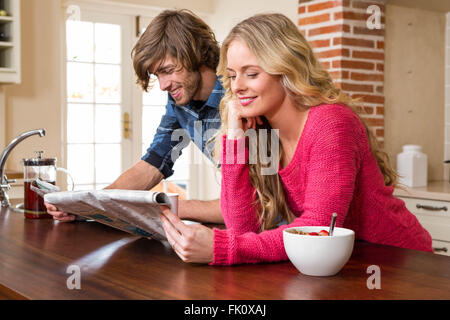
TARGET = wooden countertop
x,y
435,190
35,256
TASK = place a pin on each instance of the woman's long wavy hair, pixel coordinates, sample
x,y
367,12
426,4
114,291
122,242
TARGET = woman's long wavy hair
x,y
283,51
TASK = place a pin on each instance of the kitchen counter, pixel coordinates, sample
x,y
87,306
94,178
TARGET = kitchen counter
x,y
435,190
37,259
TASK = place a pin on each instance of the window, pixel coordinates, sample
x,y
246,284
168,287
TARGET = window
x,y
95,95
101,88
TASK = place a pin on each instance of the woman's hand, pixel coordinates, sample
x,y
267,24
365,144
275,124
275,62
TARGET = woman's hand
x,y
192,243
58,215
237,123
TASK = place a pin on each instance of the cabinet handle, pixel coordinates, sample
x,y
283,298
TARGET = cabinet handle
x,y
443,249
431,208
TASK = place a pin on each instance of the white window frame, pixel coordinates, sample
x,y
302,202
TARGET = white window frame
x,y
126,75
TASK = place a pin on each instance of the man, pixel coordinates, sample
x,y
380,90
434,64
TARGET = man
x,y
181,51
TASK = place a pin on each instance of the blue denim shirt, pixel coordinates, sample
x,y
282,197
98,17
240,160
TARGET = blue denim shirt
x,y
198,123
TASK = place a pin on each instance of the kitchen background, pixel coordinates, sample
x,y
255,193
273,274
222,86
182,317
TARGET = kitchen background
x,y
400,71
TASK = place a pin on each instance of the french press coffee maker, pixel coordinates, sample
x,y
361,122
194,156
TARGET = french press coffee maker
x,y
43,169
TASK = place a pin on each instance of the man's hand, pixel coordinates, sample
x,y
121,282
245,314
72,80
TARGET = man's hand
x,y
58,215
142,176
192,243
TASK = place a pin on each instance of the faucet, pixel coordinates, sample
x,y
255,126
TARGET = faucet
x,y
4,182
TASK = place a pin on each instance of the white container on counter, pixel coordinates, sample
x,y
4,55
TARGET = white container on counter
x,y
412,166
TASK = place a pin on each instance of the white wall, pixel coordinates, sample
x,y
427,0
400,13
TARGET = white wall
x,y
447,97
228,13
2,118
36,102
198,6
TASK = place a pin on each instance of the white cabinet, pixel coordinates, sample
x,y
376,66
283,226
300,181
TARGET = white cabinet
x,y
434,215
9,41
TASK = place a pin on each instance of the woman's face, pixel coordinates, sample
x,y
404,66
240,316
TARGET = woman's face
x,y
259,93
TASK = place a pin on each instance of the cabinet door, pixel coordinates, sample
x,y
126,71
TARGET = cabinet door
x,y
433,215
10,41
441,247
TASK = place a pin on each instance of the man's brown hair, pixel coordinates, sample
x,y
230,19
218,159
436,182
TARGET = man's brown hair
x,y
180,34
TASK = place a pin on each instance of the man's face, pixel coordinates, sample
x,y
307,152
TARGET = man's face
x,y
181,84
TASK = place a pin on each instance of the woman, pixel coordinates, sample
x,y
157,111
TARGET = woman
x,y
328,159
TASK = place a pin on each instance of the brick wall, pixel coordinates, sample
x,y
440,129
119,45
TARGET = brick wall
x,y
349,50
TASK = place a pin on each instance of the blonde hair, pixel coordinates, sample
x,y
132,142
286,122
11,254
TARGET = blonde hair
x,y
282,50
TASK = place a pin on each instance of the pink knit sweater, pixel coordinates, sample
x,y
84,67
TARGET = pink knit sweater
x,y
332,170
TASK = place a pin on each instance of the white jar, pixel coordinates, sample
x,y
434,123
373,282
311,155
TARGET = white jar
x,y
412,166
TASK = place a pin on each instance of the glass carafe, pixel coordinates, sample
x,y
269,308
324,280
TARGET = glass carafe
x,y
45,170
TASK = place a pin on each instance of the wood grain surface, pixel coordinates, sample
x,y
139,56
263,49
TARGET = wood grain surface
x,y
35,256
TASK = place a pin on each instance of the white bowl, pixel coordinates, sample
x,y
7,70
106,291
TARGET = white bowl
x,y
319,255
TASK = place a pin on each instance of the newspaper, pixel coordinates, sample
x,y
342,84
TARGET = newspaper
x,y
134,211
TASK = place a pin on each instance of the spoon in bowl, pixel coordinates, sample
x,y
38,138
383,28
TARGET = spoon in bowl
x,y
333,222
